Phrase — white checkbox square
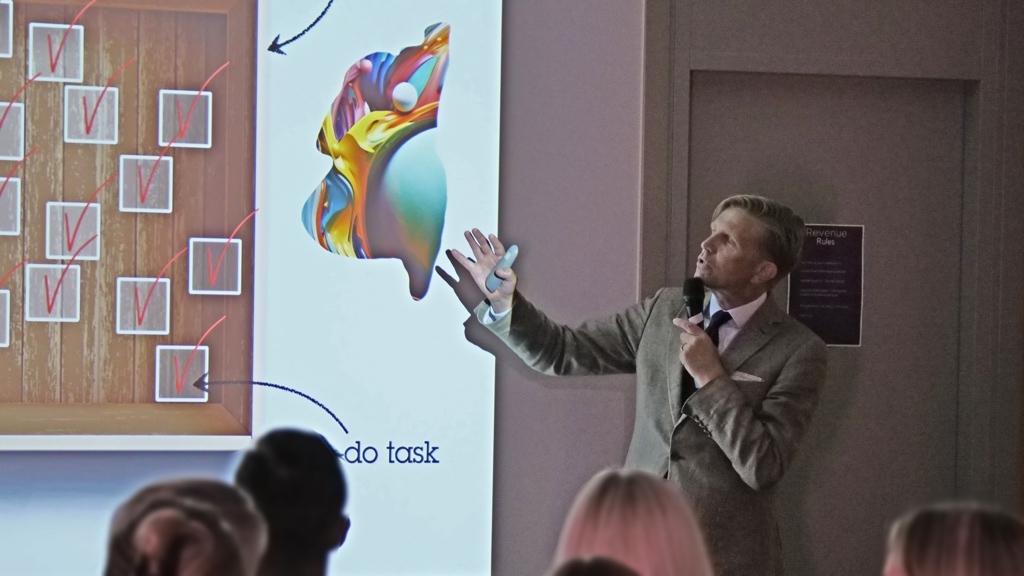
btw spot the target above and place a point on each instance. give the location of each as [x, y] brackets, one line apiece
[90, 114]
[185, 119]
[6, 29]
[143, 306]
[53, 293]
[215, 266]
[56, 52]
[177, 369]
[12, 131]
[10, 207]
[146, 184]
[5, 318]
[72, 231]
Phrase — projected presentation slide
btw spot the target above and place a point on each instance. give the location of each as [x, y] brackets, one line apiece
[377, 148]
[219, 221]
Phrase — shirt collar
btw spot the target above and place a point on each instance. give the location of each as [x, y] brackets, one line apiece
[740, 314]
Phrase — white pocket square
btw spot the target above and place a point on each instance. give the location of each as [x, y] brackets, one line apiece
[744, 377]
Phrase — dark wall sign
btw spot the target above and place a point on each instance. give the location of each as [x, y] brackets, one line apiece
[826, 291]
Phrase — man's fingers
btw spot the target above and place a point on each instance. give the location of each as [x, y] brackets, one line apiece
[499, 248]
[687, 326]
[691, 332]
[485, 245]
[507, 276]
[473, 244]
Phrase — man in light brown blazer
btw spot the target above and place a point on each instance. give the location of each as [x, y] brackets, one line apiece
[726, 433]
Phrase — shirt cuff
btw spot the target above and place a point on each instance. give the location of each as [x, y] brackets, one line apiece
[492, 316]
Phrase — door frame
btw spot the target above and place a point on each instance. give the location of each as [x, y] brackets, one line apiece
[989, 436]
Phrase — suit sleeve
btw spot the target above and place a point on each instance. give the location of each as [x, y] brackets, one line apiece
[760, 441]
[601, 346]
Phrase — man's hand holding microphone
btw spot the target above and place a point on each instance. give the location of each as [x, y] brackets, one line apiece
[697, 352]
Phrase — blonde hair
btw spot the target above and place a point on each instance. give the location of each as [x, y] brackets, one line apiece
[638, 520]
[784, 238]
[958, 539]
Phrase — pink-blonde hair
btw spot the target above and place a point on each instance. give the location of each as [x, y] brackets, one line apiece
[958, 539]
[637, 519]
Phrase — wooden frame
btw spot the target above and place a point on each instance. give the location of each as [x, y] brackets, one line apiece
[113, 395]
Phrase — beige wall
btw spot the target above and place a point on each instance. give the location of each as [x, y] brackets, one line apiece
[570, 194]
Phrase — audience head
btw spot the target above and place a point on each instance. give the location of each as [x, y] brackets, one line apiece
[595, 566]
[638, 520]
[295, 479]
[186, 528]
[956, 539]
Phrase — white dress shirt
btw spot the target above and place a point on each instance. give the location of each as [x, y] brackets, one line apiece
[493, 316]
[740, 315]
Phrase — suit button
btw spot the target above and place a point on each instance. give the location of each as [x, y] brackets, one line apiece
[675, 456]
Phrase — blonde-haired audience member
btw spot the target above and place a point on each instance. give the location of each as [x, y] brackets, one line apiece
[186, 528]
[956, 539]
[638, 520]
[594, 566]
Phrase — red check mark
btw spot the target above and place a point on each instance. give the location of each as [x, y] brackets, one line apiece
[212, 270]
[182, 128]
[144, 189]
[52, 300]
[15, 97]
[15, 169]
[70, 236]
[184, 124]
[90, 117]
[9, 274]
[49, 39]
[141, 315]
[179, 376]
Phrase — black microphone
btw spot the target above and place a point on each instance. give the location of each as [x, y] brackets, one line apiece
[693, 299]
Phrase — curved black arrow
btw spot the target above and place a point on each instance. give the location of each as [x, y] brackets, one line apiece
[276, 45]
[203, 385]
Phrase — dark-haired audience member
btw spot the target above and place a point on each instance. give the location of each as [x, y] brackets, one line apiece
[594, 566]
[296, 481]
[186, 528]
[956, 539]
[637, 519]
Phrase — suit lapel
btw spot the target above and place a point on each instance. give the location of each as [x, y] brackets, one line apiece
[675, 375]
[757, 332]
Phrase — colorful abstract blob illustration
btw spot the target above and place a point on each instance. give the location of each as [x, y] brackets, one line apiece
[386, 192]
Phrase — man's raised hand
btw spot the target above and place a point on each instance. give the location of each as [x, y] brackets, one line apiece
[487, 250]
